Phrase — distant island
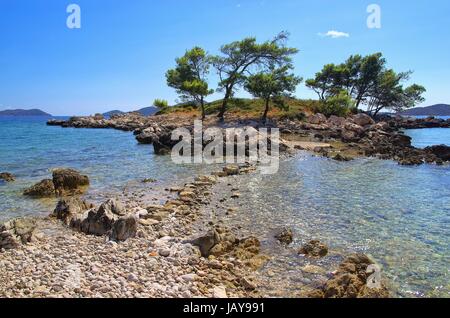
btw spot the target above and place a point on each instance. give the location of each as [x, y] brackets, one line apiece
[435, 110]
[24, 112]
[146, 111]
[113, 112]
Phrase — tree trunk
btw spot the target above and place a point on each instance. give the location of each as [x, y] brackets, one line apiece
[224, 105]
[377, 111]
[266, 111]
[202, 104]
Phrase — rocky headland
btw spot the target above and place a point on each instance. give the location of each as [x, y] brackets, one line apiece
[335, 137]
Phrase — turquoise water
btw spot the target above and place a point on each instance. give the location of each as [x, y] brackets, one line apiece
[112, 159]
[429, 137]
[398, 215]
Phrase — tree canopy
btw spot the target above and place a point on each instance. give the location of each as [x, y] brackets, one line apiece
[369, 82]
[272, 85]
[160, 103]
[239, 59]
[189, 77]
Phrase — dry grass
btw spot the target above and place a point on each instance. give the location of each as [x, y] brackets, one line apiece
[250, 108]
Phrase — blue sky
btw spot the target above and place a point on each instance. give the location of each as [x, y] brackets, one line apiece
[117, 60]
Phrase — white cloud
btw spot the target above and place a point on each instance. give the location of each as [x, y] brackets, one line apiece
[335, 34]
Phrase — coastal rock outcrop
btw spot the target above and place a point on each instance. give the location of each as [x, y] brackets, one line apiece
[7, 177]
[16, 232]
[352, 280]
[314, 248]
[400, 122]
[440, 151]
[42, 189]
[110, 218]
[220, 241]
[65, 182]
[363, 120]
[317, 119]
[69, 181]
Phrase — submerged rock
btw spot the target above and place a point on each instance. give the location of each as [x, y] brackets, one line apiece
[314, 249]
[16, 232]
[7, 177]
[42, 189]
[351, 280]
[284, 236]
[340, 157]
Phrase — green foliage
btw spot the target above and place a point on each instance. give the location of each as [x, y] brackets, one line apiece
[294, 115]
[339, 105]
[389, 93]
[189, 76]
[368, 82]
[161, 103]
[238, 59]
[272, 85]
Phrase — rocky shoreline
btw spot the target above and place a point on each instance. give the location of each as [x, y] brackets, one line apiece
[358, 135]
[132, 248]
[169, 250]
[158, 257]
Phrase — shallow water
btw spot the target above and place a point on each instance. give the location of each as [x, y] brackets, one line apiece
[398, 215]
[112, 159]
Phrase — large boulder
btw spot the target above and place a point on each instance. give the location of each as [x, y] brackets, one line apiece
[42, 189]
[317, 119]
[100, 222]
[69, 181]
[206, 242]
[359, 130]
[147, 136]
[7, 177]
[68, 209]
[363, 120]
[124, 228]
[16, 232]
[336, 121]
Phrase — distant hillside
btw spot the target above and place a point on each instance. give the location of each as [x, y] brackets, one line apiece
[435, 110]
[23, 112]
[148, 111]
[113, 112]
